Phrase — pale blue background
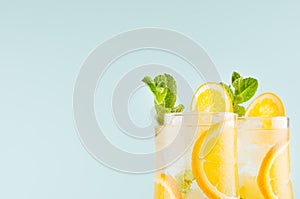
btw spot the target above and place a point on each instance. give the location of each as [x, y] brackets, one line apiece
[43, 44]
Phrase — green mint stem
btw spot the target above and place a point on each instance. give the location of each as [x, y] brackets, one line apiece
[164, 89]
[241, 90]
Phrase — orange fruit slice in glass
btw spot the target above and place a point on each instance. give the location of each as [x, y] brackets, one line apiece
[273, 178]
[214, 162]
[166, 187]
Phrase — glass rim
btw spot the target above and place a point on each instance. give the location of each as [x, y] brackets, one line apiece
[274, 118]
[265, 123]
[202, 114]
[197, 118]
[191, 113]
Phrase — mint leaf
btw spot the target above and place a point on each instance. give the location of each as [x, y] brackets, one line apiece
[150, 83]
[177, 109]
[240, 110]
[235, 76]
[244, 90]
[170, 98]
[164, 90]
[185, 180]
[161, 95]
[237, 85]
[160, 81]
[248, 88]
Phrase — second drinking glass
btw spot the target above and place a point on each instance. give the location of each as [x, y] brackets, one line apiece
[264, 158]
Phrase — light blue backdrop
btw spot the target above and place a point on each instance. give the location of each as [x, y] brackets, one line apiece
[43, 44]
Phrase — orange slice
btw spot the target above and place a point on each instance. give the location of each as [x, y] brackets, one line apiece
[211, 97]
[214, 162]
[265, 105]
[273, 178]
[166, 187]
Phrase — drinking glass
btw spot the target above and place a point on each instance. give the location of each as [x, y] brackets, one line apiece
[196, 156]
[264, 158]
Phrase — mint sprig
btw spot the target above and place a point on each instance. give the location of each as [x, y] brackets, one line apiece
[164, 89]
[241, 90]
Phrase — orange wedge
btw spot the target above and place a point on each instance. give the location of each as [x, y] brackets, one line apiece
[274, 177]
[214, 162]
[265, 105]
[211, 97]
[166, 187]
